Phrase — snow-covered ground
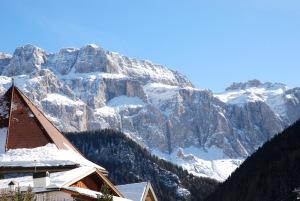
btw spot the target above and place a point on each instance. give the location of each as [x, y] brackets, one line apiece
[210, 163]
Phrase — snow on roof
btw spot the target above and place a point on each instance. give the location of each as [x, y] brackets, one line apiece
[57, 179]
[21, 181]
[48, 155]
[91, 193]
[133, 191]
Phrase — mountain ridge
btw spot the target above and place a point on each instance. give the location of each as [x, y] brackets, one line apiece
[90, 88]
[100, 59]
[254, 83]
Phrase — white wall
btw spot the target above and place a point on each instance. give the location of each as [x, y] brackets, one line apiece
[54, 196]
[41, 182]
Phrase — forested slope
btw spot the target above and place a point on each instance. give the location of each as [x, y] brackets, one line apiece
[128, 162]
[270, 174]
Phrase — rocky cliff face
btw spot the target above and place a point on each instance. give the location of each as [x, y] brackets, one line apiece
[91, 88]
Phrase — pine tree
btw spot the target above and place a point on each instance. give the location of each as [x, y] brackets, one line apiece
[29, 195]
[18, 195]
[3, 197]
[106, 194]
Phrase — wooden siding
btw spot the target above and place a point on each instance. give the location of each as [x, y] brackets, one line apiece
[91, 182]
[27, 126]
[149, 196]
[24, 129]
[94, 182]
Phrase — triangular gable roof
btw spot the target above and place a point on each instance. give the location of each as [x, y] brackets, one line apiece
[23, 125]
[137, 191]
[87, 194]
[87, 173]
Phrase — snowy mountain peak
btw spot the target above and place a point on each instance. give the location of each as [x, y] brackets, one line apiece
[68, 49]
[5, 56]
[275, 95]
[4, 60]
[254, 84]
[93, 46]
[28, 51]
[29, 47]
[29, 59]
[26, 59]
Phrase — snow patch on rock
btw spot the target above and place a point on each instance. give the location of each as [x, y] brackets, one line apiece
[60, 99]
[273, 96]
[125, 101]
[210, 163]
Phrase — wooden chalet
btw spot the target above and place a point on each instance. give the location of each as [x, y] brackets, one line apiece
[33, 152]
[24, 126]
[82, 183]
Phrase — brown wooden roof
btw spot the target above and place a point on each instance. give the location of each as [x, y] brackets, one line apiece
[93, 181]
[26, 125]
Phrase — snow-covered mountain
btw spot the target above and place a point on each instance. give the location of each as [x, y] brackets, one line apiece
[91, 88]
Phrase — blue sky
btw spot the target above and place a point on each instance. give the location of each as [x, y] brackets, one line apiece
[212, 42]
